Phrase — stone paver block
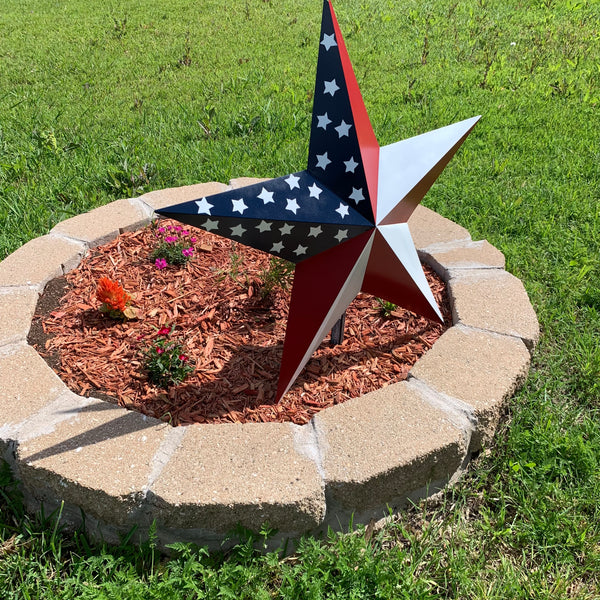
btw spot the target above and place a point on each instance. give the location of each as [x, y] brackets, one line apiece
[380, 448]
[99, 459]
[231, 473]
[17, 306]
[244, 181]
[467, 255]
[478, 368]
[103, 224]
[40, 260]
[428, 228]
[495, 301]
[28, 384]
[170, 196]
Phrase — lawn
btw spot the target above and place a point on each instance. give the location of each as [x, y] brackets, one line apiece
[100, 101]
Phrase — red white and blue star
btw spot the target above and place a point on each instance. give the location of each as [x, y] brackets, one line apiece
[343, 220]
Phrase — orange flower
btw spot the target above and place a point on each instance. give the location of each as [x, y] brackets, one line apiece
[112, 295]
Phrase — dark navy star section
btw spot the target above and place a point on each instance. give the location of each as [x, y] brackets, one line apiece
[292, 217]
[334, 155]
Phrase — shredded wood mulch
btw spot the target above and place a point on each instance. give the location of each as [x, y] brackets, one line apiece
[230, 331]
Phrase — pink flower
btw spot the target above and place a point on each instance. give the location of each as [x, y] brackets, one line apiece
[164, 331]
[161, 230]
[185, 233]
[178, 228]
[160, 263]
[188, 252]
[193, 240]
[159, 350]
[171, 239]
[183, 358]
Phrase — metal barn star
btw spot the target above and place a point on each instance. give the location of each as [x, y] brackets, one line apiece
[343, 220]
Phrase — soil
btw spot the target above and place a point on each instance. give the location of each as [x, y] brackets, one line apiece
[229, 312]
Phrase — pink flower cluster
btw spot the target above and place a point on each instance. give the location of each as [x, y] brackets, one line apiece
[175, 246]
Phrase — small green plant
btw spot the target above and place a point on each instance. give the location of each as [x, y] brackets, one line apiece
[386, 308]
[166, 362]
[278, 274]
[175, 246]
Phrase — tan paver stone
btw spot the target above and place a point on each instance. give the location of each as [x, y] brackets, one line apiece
[231, 473]
[380, 448]
[428, 228]
[28, 384]
[40, 260]
[466, 255]
[17, 306]
[244, 181]
[495, 301]
[481, 369]
[99, 459]
[103, 224]
[170, 196]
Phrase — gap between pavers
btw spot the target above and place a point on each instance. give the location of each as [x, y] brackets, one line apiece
[352, 461]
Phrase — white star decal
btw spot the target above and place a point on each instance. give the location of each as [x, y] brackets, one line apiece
[357, 194]
[292, 181]
[322, 161]
[286, 229]
[277, 247]
[328, 40]
[265, 196]
[342, 234]
[315, 231]
[204, 207]
[210, 225]
[350, 165]
[300, 250]
[331, 87]
[238, 231]
[324, 120]
[264, 226]
[239, 206]
[343, 210]
[292, 205]
[315, 191]
[343, 128]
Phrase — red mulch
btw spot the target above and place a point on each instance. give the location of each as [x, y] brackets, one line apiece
[233, 335]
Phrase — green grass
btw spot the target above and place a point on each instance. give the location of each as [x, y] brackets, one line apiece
[104, 100]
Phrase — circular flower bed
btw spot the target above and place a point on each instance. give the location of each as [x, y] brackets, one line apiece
[216, 319]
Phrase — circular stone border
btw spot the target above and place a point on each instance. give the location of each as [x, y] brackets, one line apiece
[352, 462]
